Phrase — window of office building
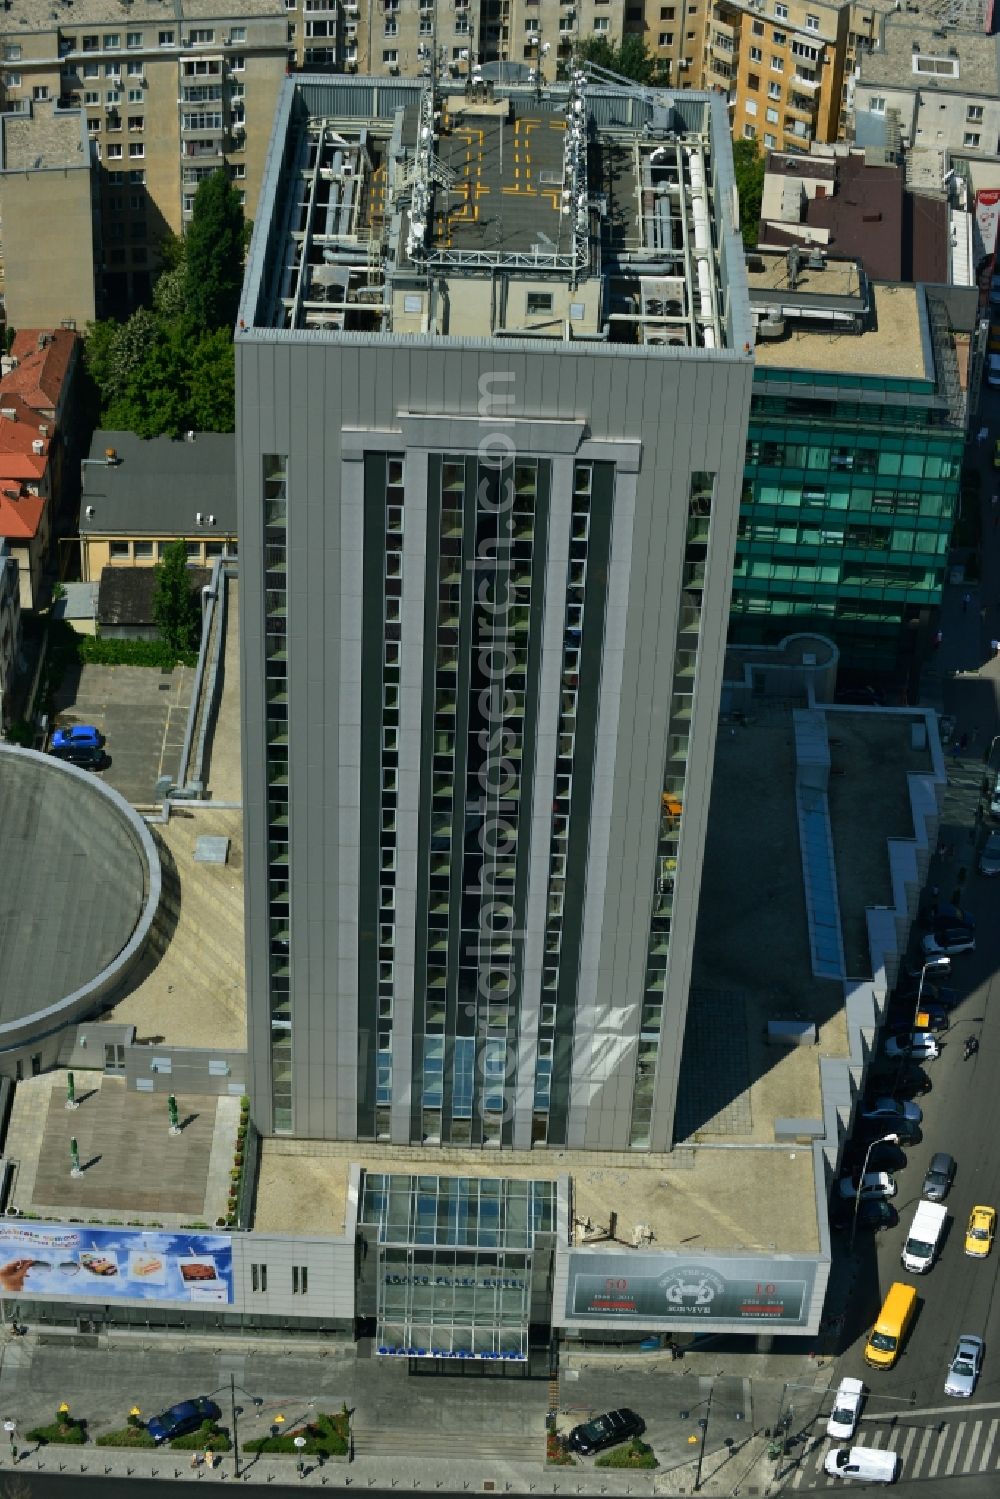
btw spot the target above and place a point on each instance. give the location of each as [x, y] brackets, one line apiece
[275, 499]
[682, 698]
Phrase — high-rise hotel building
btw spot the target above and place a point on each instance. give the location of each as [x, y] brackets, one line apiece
[493, 383]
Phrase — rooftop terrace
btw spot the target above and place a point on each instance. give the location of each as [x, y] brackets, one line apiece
[426, 207]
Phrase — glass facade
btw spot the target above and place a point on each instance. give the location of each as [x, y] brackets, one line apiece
[275, 512]
[849, 498]
[454, 1262]
[682, 691]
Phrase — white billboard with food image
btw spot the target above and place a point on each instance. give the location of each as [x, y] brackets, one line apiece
[81, 1261]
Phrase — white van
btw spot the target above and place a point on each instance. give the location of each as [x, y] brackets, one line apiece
[869, 1464]
[922, 1241]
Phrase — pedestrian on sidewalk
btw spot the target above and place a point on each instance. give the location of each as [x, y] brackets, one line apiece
[939, 634]
[966, 601]
[963, 743]
[983, 611]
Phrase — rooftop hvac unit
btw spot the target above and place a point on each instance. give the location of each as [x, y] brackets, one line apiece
[38, 447]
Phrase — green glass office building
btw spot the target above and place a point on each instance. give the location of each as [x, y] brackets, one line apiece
[853, 471]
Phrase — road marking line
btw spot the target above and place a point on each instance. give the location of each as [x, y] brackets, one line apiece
[876, 1440]
[973, 1443]
[911, 1437]
[938, 1454]
[953, 1456]
[797, 1476]
[937, 1410]
[924, 1444]
[991, 1437]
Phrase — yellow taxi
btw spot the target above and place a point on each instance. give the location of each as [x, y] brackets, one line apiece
[979, 1234]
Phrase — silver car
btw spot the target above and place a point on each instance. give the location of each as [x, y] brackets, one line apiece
[965, 1366]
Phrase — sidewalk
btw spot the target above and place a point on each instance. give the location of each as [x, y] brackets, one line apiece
[739, 1396]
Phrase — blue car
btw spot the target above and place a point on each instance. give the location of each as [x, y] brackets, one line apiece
[181, 1419]
[78, 736]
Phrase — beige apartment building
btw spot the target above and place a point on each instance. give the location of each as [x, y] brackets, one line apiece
[398, 37]
[170, 93]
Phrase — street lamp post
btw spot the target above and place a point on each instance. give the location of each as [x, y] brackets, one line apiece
[882, 1140]
[236, 1410]
[300, 1462]
[940, 964]
[703, 1427]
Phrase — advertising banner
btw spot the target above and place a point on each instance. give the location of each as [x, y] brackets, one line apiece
[986, 221]
[654, 1290]
[78, 1262]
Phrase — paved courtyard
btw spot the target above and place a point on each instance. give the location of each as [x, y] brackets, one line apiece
[132, 1166]
[141, 711]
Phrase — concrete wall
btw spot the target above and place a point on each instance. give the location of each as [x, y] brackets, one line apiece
[48, 247]
[185, 1069]
[298, 396]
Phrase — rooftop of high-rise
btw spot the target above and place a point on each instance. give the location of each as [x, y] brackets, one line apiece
[435, 207]
[29, 15]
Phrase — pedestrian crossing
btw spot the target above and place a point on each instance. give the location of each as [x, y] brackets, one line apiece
[944, 1449]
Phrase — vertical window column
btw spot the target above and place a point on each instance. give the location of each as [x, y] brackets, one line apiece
[672, 803]
[392, 626]
[275, 467]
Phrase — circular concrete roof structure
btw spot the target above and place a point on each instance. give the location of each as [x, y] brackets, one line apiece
[79, 887]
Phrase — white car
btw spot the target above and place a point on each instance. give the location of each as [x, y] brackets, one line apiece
[948, 943]
[875, 1184]
[963, 1371]
[846, 1411]
[919, 1045]
[869, 1464]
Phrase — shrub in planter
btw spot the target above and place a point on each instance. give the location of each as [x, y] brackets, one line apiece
[556, 1453]
[208, 1438]
[65, 1429]
[128, 1436]
[328, 1436]
[634, 1454]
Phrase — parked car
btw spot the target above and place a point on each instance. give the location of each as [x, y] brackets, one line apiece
[906, 991]
[907, 1081]
[979, 1233]
[989, 859]
[993, 367]
[941, 913]
[906, 1132]
[874, 1213]
[940, 1175]
[918, 1044]
[77, 736]
[994, 808]
[950, 941]
[963, 1372]
[183, 1418]
[606, 1431]
[879, 1154]
[888, 1110]
[869, 1464]
[932, 1018]
[874, 1184]
[85, 756]
[846, 1411]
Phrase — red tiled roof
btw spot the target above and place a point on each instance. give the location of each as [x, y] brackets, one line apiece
[19, 518]
[40, 373]
[18, 435]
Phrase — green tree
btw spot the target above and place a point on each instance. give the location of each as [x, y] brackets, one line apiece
[212, 383]
[175, 604]
[748, 166]
[213, 253]
[629, 60]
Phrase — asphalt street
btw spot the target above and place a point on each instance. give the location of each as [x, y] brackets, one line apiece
[938, 1438]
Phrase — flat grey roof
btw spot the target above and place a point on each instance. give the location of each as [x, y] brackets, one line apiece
[968, 61]
[29, 15]
[46, 138]
[73, 883]
[159, 486]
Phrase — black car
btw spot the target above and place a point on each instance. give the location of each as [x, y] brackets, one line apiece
[881, 1157]
[606, 1431]
[874, 1213]
[906, 1131]
[906, 991]
[86, 756]
[904, 1081]
[940, 913]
